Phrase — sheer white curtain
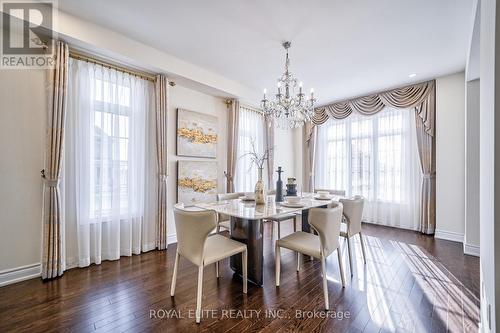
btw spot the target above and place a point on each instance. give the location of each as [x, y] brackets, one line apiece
[376, 157]
[251, 129]
[109, 170]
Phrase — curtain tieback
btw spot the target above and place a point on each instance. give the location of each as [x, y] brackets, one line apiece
[427, 176]
[162, 177]
[51, 182]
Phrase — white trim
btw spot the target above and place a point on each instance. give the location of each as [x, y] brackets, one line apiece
[449, 235]
[19, 274]
[392, 226]
[472, 250]
[171, 239]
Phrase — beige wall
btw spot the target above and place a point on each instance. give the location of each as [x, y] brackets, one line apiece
[472, 165]
[450, 156]
[22, 126]
[184, 98]
[284, 155]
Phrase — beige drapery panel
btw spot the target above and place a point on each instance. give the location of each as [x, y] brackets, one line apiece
[161, 102]
[427, 153]
[309, 132]
[421, 97]
[52, 243]
[269, 127]
[232, 143]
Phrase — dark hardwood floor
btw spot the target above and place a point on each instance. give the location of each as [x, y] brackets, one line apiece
[411, 283]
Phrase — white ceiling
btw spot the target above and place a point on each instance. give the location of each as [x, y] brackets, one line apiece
[341, 48]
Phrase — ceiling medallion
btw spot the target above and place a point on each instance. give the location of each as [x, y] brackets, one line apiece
[289, 109]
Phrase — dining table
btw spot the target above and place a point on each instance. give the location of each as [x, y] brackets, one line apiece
[247, 225]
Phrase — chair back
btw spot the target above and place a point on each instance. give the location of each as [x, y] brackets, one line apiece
[332, 192]
[193, 228]
[326, 222]
[353, 212]
[229, 196]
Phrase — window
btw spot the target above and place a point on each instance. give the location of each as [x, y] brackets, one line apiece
[109, 170]
[110, 145]
[109, 167]
[250, 131]
[373, 156]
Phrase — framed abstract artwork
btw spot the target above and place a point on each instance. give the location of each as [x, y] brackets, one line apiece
[196, 134]
[196, 181]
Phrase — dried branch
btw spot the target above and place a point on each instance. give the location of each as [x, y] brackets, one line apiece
[255, 157]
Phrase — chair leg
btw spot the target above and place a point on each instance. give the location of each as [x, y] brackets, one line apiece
[279, 230]
[174, 276]
[198, 295]
[349, 253]
[294, 224]
[325, 284]
[298, 261]
[217, 269]
[312, 232]
[244, 263]
[362, 247]
[311, 257]
[341, 268]
[277, 254]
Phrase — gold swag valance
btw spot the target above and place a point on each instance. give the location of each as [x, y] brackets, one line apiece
[419, 96]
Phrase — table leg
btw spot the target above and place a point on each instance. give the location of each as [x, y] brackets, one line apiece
[305, 219]
[249, 232]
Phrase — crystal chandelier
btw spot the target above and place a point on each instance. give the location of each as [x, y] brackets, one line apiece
[289, 109]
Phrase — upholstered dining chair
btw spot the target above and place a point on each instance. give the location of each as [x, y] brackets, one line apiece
[332, 192]
[326, 222]
[194, 244]
[281, 218]
[353, 214]
[224, 221]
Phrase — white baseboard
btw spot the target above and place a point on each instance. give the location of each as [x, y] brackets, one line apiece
[449, 235]
[171, 239]
[19, 274]
[392, 226]
[472, 250]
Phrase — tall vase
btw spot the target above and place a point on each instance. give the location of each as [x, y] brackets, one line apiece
[279, 186]
[259, 190]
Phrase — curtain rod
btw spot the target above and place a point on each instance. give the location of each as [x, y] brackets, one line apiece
[93, 60]
[251, 108]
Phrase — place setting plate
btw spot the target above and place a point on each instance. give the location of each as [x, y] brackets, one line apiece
[292, 205]
[293, 202]
[317, 197]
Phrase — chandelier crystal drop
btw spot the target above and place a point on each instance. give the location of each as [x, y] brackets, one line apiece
[289, 109]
